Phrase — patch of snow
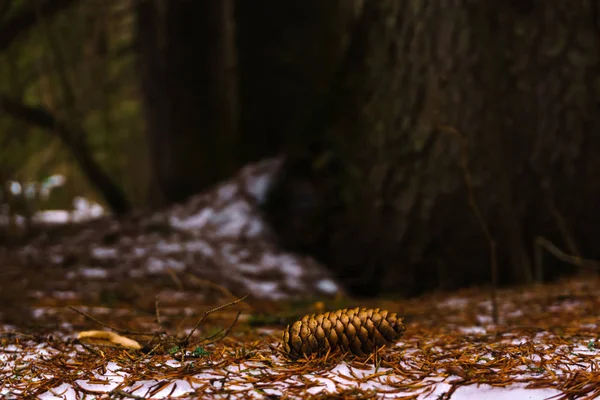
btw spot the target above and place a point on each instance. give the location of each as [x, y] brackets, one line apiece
[290, 267]
[228, 252]
[489, 392]
[227, 191]
[193, 222]
[52, 217]
[104, 252]
[57, 258]
[258, 186]
[62, 391]
[328, 286]
[269, 260]
[156, 265]
[200, 246]
[454, 302]
[15, 187]
[94, 273]
[232, 220]
[64, 295]
[247, 268]
[484, 319]
[255, 227]
[140, 251]
[268, 290]
[168, 248]
[514, 314]
[86, 210]
[472, 330]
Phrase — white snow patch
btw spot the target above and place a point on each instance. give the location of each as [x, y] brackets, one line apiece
[258, 186]
[472, 330]
[168, 248]
[52, 216]
[104, 252]
[255, 227]
[231, 220]
[454, 302]
[94, 273]
[140, 251]
[488, 392]
[327, 286]
[484, 319]
[290, 267]
[200, 246]
[227, 191]
[193, 222]
[267, 290]
[156, 265]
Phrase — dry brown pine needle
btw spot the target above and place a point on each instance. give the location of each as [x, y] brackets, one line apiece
[357, 330]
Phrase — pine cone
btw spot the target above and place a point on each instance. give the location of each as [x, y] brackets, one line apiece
[357, 330]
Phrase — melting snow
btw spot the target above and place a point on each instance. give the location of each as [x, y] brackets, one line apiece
[193, 222]
[94, 273]
[328, 286]
[104, 252]
[219, 235]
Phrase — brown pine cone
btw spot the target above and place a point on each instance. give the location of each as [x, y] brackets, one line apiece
[357, 330]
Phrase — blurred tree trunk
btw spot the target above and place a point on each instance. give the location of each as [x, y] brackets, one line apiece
[380, 194]
[189, 84]
[288, 52]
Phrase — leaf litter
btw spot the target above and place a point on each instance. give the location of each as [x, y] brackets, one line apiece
[546, 345]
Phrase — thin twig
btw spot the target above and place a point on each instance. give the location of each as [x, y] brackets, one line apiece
[226, 331]
[89, 348]
[464, 163]
[157, 310]
[582, 263]
[122, 393]
[112, 328]
[207, 313]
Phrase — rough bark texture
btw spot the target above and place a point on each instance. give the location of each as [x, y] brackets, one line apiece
[288, 53]
[382, 197]
[188, 65]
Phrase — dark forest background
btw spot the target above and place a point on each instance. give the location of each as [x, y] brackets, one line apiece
[428, 145]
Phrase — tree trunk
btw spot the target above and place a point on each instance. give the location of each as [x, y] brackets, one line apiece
[388, 209]
[189, 84]
[288, 53]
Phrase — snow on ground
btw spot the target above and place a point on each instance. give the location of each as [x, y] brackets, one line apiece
[247, 380]
[266, 375]
[219, 236]
[444, 353]
[83, 210]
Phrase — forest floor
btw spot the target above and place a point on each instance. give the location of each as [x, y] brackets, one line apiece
[153, 279]
[547, 344]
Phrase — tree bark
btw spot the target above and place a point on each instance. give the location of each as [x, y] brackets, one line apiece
[189, 69]
[288, 54]
[388, 207]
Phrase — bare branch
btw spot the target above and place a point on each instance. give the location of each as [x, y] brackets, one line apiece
[75, 142]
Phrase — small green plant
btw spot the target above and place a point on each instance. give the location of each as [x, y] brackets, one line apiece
[200, 352]
[591, 345]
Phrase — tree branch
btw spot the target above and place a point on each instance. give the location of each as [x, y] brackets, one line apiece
[75, 142]
[25, 19]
